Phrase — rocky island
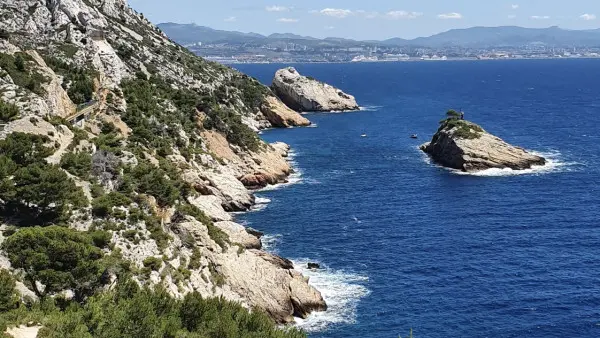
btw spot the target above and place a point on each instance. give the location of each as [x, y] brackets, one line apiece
[463, 145]
[306, 94]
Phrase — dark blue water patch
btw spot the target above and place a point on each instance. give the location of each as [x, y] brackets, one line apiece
[408, 244]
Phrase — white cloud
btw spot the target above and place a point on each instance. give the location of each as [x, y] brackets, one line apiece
[231, 19]
[453, 15]
[276, 9]
[540, 17]
[287, 20]
[514, 6]
[403, 15]
[329, 28]
[336, 12]
[588, 17]
[512, 16]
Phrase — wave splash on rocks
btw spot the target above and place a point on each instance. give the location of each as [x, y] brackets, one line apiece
[341, 290]
[554, 164]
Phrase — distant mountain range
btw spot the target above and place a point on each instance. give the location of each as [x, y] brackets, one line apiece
[476, 37]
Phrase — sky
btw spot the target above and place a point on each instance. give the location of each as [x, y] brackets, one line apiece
[370, 20]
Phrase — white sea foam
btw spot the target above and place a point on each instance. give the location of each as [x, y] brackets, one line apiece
[554, 164]
[342, 292]
[294, 178]
[270, 242]
[261, 203]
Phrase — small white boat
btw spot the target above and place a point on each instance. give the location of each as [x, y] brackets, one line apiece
[414, 136]
[363, 135]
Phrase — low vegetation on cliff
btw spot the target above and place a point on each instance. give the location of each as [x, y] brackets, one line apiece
[130, 311]
[107, 152]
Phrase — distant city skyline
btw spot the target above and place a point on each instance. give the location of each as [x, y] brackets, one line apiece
[380, 19]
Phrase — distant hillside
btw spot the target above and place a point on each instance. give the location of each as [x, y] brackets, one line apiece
[510, 36]
[506, 36]
[191, 33]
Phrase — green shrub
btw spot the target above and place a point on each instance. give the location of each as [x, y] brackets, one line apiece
[153, 263]
[194, 263]
[131, 312]
[462, 128]
[8, 296]
[77, 164]
[100, 238]
[41, 194]
[23, 75]
[25, 149]
[147, 179]
[130, 235]
[8, 112]
[103, 205]
[60, 258]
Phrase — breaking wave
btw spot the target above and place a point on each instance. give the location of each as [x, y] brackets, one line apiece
[261, 203]
[554, 164]
[342, 292]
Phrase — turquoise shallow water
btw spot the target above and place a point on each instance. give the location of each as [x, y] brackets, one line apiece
[406, 244]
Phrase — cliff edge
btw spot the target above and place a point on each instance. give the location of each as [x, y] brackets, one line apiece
[143, 144]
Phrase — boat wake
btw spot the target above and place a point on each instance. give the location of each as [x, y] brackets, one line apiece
[370, 108]
[342, 292]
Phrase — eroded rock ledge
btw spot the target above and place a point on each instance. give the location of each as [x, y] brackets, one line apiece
[463, 145]
[302, 93]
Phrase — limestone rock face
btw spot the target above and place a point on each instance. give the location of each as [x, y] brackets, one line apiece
[305, 94]
[253, 277]
[117, 44]
[473, 149]
[280, 115]
[238, 234]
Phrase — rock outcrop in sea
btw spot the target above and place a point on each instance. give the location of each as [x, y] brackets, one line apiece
[306, 94]
[463, 145]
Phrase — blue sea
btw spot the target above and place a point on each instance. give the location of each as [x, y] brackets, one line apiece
[405, 244]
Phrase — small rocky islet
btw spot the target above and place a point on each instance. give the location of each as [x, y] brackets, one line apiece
[302, 93]
[463, 145]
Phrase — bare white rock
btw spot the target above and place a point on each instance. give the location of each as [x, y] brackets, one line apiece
[306, 94]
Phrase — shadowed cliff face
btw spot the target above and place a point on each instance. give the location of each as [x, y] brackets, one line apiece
[465, 146]
[165, 151]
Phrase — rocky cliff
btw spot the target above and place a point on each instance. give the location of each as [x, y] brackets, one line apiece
[158, 144]
[302, 93]
[465, 146]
